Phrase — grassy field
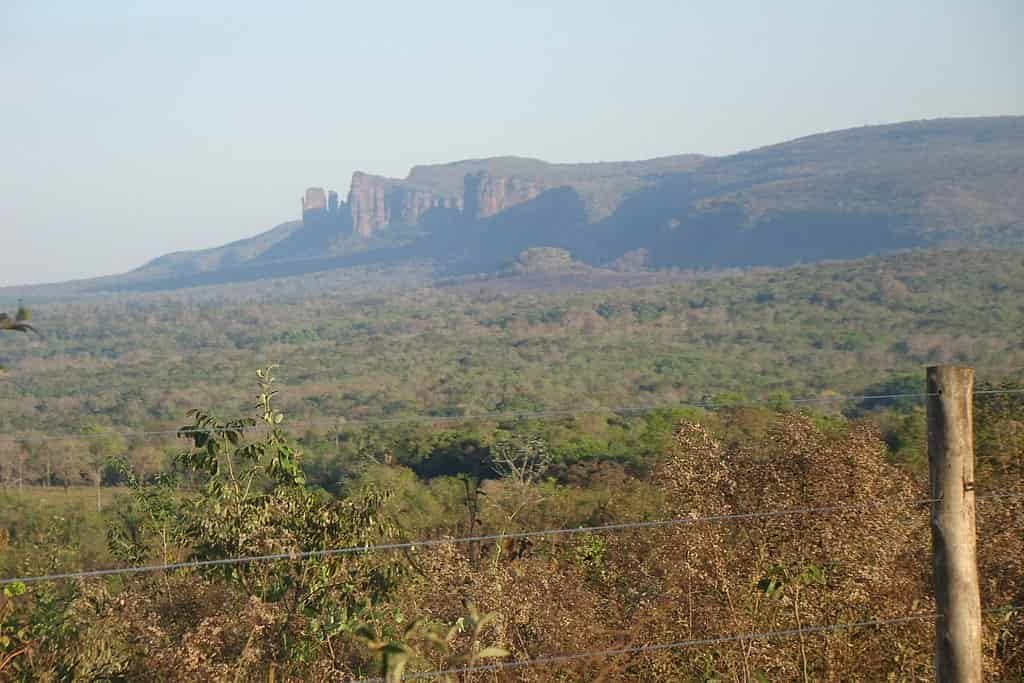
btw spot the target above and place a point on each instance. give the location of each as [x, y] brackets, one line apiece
[65, 522]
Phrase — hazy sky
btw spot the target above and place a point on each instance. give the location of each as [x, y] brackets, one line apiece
[128, 130]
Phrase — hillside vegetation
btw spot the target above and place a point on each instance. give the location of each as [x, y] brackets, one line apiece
[587, 398]
[458, 605]
[471, 349]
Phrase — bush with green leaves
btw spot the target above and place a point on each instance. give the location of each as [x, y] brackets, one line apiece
[253, 501]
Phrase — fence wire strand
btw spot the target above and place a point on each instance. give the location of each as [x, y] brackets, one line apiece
[696, 642]
[427, 543]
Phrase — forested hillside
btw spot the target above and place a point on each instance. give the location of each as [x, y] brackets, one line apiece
[472, 349]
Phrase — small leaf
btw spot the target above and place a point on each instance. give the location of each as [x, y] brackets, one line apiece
[396, 656]
[486, 619]
[14, 589]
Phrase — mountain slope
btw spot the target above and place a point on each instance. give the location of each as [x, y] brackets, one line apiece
[837, 195]
[235, 253]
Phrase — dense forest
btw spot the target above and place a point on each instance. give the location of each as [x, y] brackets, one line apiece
[139, 432]
[474, 348]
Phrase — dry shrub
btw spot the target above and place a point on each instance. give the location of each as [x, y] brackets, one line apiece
[868, 561]
[1001, 565]
[183, 628]
[819, 567]
[545, 602]
[633, 589]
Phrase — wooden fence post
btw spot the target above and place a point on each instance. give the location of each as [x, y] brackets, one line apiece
[954, 561]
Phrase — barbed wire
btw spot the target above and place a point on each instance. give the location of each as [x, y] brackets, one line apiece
[995, 392]
[426, 543]
[681, 644]
[515, 535]
[1000, 496]
[341, 421]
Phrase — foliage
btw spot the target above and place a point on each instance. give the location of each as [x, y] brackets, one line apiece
[251, 500]
[464, 350]
[254, 502]
[147, 521]
[324, 617]
[245, 486]
[443, 640]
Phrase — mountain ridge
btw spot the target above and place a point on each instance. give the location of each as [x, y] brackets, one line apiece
[833, 195]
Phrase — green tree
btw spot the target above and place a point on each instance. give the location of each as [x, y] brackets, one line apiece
[105, 447]
[147, 521]
[254, 502]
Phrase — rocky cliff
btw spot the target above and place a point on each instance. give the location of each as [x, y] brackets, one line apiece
[376, 202]
[477, 189]
[368, 203]
[315, 199]
[828, 196]
[486, 195]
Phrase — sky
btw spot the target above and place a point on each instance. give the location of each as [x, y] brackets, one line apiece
[129, 130]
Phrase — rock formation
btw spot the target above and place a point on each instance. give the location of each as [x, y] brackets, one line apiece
[486, 195]
[367, 201]
[323, 213]
[376, 202]
[838, 195]
[315, 199]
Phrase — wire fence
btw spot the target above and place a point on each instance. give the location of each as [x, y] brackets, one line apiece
[556, 659]
[483, 538]
[678, 645]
